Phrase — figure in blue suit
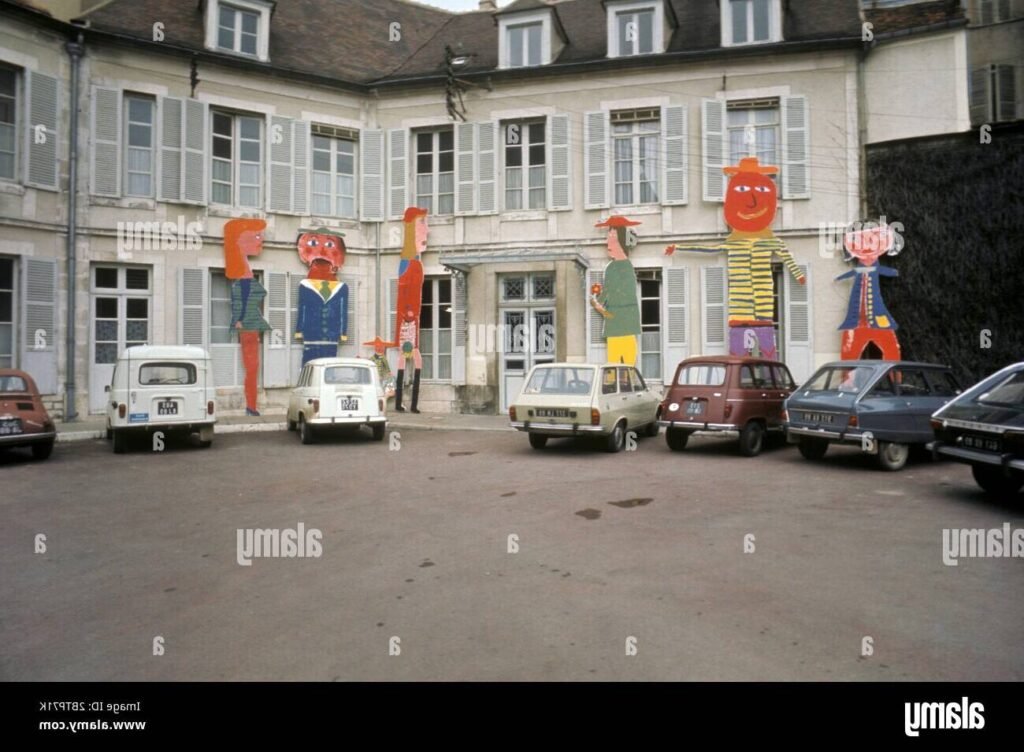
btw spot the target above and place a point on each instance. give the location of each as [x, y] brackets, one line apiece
[322, 321]
[868, 322]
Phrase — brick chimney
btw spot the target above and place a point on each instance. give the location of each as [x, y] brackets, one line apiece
[490, 5]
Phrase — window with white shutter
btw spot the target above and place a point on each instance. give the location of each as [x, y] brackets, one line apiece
[487, 167]
[796, 144]
[39, 335]
[41, 135]
[597, 192]
[139, 146]
[714, 333]
[371, 158]
[192, 306]
[461, 329]
[597, 350]
[676, 331]
[799, 352]
[714, 148]
[334, 173]
[282, 165]
[1006, 92]
[277, 342]
[559, 164]
[525, 157]
[351, 348]
[398, 172]
[106, 141]
[169, 184]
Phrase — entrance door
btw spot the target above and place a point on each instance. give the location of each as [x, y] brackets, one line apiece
[120, 318]
[528, 339]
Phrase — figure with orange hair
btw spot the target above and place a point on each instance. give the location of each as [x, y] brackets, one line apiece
[243, 238]
[410, 299]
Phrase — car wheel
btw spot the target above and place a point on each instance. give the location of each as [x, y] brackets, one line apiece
[305, 431]
[538, 441]
[42, 451]
[813, 449]
[676, 439]
[617, 438]
[751, 439]
[652, 429]
[995, 482]
[892, 455]
[291, 425]
[378, 431]
[120, 442]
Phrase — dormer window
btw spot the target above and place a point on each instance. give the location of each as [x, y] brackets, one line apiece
[751, 22]
[639, 27]
[239, 27]
[524, 44]
[528, 38]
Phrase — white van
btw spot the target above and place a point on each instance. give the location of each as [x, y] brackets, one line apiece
[161, 388]
[338, 393]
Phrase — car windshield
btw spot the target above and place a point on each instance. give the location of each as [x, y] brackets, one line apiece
[705, 374]
[839, 379]
[562, 380]
[1007, 393]
[13, 384]
[347, 375]
[166, 374]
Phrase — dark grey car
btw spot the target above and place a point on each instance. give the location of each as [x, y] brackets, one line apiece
[882, 406]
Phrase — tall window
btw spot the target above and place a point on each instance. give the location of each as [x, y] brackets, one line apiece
[334, 177]
[754, 131]
[237, 160]
[751, 20]
[6, 313]
[8, 119]
[650, 322]
[525, 176]
[636, 136]
[221, 331]
[635, 30]
[435, 171]
[237, 30]
[524, 44]
[436, 328]
[121, 308]
[138, 126]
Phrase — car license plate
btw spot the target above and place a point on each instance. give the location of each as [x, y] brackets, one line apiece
[694, 408]
[980, 442]
[552, 413]
[348, 404]
[10, 427]
[167, 407]
[819, 418]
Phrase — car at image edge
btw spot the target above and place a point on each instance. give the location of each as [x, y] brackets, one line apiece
[24, 421]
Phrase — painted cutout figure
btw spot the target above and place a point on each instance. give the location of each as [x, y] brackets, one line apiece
[243, 238]
[407, 307]
[751, 200]
[379, 359]
[617, 299]
[322, 320]
[869, 329]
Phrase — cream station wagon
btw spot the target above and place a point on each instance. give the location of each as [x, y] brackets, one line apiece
[579, 399]
[336, 393]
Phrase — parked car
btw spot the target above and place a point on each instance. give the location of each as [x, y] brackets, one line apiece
[167, 388]
[984, 427]
[24, 421]
[731, 395]
[580, 399]
[884, 407]
[337, 393]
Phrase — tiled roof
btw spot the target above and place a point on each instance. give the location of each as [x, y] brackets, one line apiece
[914, 16]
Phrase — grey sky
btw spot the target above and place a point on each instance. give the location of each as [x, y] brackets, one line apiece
[458, 4]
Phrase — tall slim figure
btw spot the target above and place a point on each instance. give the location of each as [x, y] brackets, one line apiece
[243, 238]
[410, 299]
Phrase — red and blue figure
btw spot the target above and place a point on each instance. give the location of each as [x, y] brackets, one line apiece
[410, 300]
[869, 330]
[243, 238]
[322, 321]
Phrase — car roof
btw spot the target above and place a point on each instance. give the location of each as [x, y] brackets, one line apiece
[902, 363]
[730, 360]
[4, 372]
[169, 352]
[326, 362]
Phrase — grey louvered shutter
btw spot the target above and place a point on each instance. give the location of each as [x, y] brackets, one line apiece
[170, 160]
[799, 349]
[714, 148]
[194, 157]
[106, 141]
[487, 168]
[295, 345]
[282, 165]
[980, 96]
[677, 324]
[597, 191]
[41, 135]
[39, 331]
[465, 168]
[276, 342]
[597, 349]
[398, 172]
[371, 157]
[796, 140]
[1006, 93]
[350, 347]
[301, 148]
[192, 306]
[674, 163]
[459, 349]
[559, 170]
[714, 331]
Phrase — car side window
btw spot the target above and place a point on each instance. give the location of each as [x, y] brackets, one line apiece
[912, 383]
[883, 387]
[609, 381]
[746, 378]
[639, 385]
[625, 384]
[783, 379]
[943, 384]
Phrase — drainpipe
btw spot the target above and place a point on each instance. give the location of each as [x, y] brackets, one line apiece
[75, 50]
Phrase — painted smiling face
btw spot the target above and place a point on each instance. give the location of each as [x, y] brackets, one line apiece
[318, 246]
[750, 202]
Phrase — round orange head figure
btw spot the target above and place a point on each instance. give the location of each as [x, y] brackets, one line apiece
[751, 197]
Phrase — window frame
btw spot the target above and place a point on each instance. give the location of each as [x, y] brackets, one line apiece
[18, 99]
[334, 196]
[635, 138]
[236, 160]
[127, 122]
[519, 20]
[435, 329]
[658, 25]
[260, 8]
[13, 322]
[768, 104]
[774, 23]
[525, 147]
[436, 173]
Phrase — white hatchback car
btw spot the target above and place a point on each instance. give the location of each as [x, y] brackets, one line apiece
[337, 393]
[161, 388]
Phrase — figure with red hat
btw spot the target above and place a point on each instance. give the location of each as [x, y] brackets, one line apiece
[616, 300]
[379, 359]
[751, 200]
[410, 299]
[322, 320]
[868, 323]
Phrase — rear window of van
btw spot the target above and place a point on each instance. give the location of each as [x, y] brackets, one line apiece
[167, 374]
